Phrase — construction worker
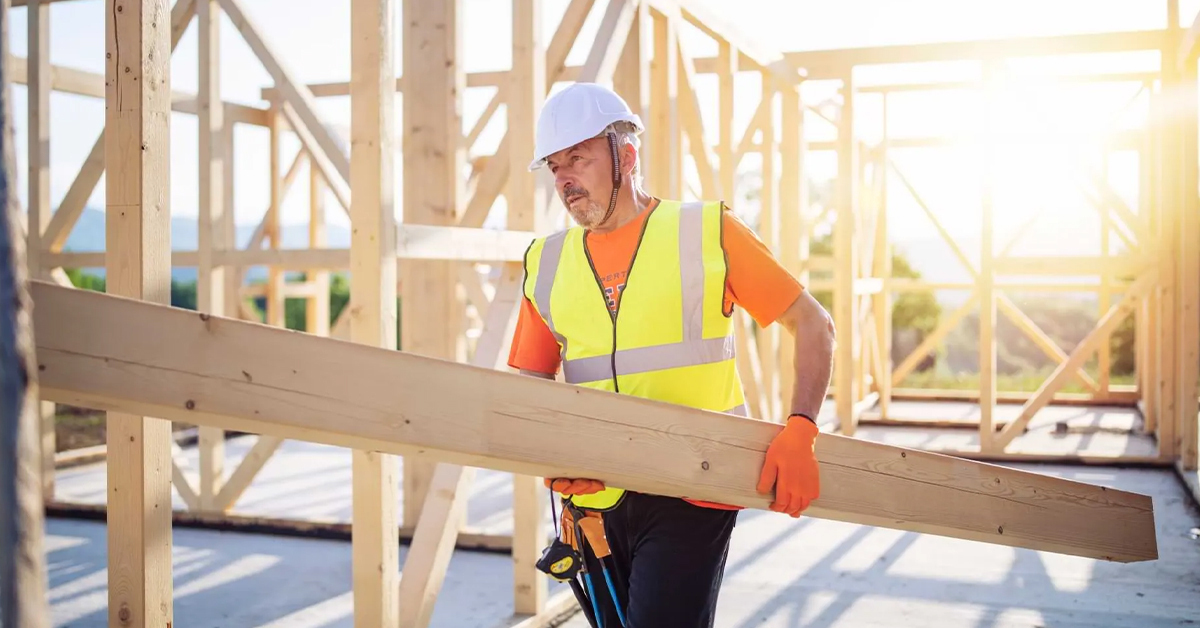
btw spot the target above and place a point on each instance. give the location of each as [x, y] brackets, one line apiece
[637, 299]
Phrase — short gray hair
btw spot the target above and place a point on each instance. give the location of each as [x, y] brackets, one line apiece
[627, 134]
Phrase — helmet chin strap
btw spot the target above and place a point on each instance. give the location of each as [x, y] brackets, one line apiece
[616, 162]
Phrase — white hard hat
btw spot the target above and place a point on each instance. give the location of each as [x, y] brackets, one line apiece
[577, 113]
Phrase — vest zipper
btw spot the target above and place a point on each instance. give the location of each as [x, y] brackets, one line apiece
[599, 284]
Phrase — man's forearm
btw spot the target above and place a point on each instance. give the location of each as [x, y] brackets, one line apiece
[813, 364]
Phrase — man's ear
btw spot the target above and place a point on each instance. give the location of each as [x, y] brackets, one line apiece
[629, 157]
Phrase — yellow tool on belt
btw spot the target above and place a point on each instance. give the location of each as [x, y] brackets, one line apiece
[563, 559]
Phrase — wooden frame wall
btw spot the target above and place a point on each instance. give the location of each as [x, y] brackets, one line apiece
[440, 246]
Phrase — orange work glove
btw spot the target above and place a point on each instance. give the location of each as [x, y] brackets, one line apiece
[568, 486]
[791, 467]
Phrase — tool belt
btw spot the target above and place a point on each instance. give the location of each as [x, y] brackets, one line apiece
[578, 531]
[591, 523]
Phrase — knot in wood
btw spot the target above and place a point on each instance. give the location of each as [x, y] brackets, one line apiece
[704, 465]
[190, 405]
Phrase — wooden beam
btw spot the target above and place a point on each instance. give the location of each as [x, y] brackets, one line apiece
[38, 160]
[526, 211]
[1130, 264]
[239, 375]
[693, 124]
[846, 256]
[435, 156]
[665, 159]
[774, 65]
[81, 189]
[40, 79]
[792, 242]
[1188, 369]
[251, 464]
[294, 93]
[438, 525]
[373, 283]
[423, 242]
[828, 63]
[329, 168]
[215, 231]
[986, 277]
[1039, 337]
[138, 237]
[435, 242]
[1085, 348]
[945, 326]
[632, 77]
[70, 80]
[495, 175]
[317, 306]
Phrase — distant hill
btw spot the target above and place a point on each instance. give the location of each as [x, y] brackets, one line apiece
[89, 234]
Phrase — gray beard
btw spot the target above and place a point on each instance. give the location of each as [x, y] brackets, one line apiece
[589, 216]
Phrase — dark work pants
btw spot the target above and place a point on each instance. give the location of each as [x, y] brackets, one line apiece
[667, 563]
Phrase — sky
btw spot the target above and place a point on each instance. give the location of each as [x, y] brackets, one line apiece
[311, 38]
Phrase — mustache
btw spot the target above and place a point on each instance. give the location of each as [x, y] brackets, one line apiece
[570, 191]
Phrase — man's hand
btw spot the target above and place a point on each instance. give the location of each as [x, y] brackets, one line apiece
[576, 486]
[791, 467]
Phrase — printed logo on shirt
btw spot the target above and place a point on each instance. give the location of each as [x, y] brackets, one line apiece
[609, 295]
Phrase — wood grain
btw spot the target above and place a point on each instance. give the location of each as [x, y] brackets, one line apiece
[237, 375]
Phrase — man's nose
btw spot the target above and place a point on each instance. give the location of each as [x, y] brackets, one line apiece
[563, 181]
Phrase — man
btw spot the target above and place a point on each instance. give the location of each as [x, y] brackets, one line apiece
[637, 299]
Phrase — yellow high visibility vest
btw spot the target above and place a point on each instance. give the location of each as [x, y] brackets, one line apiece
[670, 340]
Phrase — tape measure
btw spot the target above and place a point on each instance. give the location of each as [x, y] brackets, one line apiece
[560, 561]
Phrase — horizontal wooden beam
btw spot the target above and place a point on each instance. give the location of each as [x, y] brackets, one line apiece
[69, 80]
[1066, 79]
[752, 54]
[1082, 265]
[463, 244]
[831, 63]
[112, 353]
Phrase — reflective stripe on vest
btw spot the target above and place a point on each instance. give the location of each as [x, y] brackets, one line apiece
[670, 339]
[692, 350]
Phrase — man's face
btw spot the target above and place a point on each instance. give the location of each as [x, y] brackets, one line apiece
[583, 178]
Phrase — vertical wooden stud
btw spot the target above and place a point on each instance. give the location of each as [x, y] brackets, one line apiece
[666, 156]
[317, 305]
[1151, 194]
[1187, 240]
[1171, 190]
[210, 280]
[138, 265]
[526, 92]
[275, 307]
[768, 230]
[38, 90]
[791, 208]
[727, 68]
[435, 156]
[373, 284]
[632, 77]
[883, 270]
[845, 263]
[987, 273]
